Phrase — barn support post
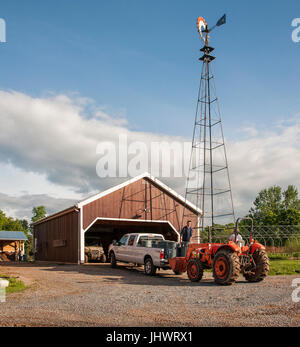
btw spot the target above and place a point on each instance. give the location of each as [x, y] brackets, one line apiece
[81, 237]
[78, 237]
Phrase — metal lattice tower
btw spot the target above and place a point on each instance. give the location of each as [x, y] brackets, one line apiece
[208, 183]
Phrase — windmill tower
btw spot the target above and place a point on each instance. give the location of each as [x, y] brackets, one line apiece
[208, 183]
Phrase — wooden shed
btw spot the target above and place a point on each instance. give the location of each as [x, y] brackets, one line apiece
[141, 204]
[12, 243]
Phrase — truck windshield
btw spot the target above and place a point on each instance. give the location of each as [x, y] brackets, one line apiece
[123, 240]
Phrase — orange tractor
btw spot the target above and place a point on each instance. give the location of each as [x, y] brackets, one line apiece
[227, 260]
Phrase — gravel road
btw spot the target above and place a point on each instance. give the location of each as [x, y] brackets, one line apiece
[96, 295]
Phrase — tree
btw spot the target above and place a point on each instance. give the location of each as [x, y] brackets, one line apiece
[38, 213]
[25, 225]
[289, 216]
[11, 224]
[291, 200]
[2, 219]
[273, 206]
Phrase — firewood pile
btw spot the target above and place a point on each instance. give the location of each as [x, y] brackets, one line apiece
[6, 257]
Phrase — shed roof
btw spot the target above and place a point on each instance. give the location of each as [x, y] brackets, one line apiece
[12, 235]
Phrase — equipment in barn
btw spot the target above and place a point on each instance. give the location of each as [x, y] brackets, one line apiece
[93, 251]
[208, 183]
[227, 260]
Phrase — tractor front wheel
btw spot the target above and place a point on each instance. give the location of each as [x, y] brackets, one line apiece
[262, 267]
[194, 270]
[226, 267]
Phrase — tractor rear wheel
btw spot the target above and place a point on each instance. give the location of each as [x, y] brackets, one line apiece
[226, 267]
[194, 270]
[262, 268]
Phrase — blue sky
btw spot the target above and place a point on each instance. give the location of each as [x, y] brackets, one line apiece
[139, 59]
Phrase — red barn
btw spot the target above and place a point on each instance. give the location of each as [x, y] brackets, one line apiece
[142, 204]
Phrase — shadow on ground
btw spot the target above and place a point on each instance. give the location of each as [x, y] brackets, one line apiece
[123, 274]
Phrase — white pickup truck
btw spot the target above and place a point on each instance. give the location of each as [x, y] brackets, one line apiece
[141, 249]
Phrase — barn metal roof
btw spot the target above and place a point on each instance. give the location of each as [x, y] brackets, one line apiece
[13, 236]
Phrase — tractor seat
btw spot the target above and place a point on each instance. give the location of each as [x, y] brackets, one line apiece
[240, 242]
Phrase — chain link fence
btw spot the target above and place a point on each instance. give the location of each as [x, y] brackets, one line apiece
[271, 236]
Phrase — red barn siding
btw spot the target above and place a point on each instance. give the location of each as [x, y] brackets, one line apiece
[63, 227]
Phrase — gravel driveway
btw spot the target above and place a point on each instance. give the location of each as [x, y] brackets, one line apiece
[96, 295]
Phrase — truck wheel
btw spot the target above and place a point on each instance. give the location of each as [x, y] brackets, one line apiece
[194, 270]
[86, 259]
[149, 267]
[103, 258]
[262, 268]
[113, 261]
[226, 267]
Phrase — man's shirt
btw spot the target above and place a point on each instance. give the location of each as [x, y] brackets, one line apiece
[186, 233]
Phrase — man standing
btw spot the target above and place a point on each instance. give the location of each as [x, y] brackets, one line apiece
[186, 232]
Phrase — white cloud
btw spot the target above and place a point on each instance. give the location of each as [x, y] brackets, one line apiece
[48, 149]
[250, 131]
[21, 206]
[272, 157]
[56, 136]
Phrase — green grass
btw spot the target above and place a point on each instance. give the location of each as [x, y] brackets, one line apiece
[15, 285]
[284, 256]
[284, 267]
[278, 256]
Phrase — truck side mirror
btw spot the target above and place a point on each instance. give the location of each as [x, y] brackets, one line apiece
[115, 242]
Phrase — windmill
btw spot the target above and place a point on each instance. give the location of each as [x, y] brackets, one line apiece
[208, 182]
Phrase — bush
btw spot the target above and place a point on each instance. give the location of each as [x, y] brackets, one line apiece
[278, 256]
[293, 246]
